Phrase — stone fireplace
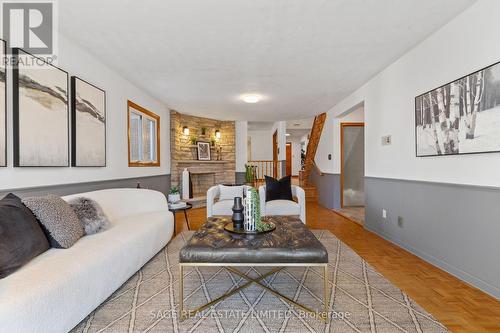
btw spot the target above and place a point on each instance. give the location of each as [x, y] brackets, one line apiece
[204, 174]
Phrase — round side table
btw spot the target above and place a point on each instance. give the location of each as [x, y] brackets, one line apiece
[185, 209]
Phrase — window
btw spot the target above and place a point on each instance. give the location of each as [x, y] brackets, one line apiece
[143, 136]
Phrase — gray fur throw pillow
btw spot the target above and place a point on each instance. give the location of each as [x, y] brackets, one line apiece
[91, 216]
[58, 220]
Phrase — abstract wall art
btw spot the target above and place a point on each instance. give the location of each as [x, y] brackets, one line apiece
[40, 112]
[88, 120]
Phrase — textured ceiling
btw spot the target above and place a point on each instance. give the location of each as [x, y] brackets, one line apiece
[304, 56]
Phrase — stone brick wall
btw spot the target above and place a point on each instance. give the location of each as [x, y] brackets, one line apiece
[183, 151]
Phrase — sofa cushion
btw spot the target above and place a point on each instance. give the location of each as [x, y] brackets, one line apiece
[223, 207]
[90, 214]
[230, 192]
[59, 221]
[278, 189]
[282, 207]
[21, 238]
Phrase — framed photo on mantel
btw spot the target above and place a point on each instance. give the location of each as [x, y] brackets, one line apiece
[203, 151]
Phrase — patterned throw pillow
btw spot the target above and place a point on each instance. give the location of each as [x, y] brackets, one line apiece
[90, 214]
[59, 221]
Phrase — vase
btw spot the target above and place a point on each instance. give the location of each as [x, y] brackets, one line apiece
[238, 216]
[173, 198]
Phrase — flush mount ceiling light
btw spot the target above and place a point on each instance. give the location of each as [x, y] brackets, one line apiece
[251, 98]
[287, 134]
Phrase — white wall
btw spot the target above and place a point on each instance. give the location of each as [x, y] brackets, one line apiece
[241, 129]
[295, 141]
[262, 144]
[77, 61]
[280, 127]
[467, 43]
[330, 139]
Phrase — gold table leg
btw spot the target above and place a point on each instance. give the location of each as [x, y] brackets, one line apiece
[184, 314]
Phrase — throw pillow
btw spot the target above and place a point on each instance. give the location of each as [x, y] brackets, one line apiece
[278, 189]
[90, 214]
[21, 238]
[230, 192]
[59, 221]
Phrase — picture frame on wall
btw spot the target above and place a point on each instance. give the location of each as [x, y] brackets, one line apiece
[460, 117]
[40, 112]
[203, 149]
[3, 104]
[88, 124]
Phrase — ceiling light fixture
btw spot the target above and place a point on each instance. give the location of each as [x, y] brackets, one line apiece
[251, 98]
[287, 134]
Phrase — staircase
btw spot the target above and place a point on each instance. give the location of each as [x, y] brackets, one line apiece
[312, 147]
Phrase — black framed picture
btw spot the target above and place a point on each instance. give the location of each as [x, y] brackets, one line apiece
[203, 151]
[3, 104]
[88, 124]
[40, 112]
[460, 117]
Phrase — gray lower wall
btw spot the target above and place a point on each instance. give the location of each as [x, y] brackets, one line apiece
[160, 183]
[328, 186]
[454, 227]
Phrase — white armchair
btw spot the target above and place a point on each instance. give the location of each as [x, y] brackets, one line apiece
[284, 207]
[221, 206]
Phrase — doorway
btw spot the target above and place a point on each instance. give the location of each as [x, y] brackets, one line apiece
[352, 166]
[288, 159]
[275, 154]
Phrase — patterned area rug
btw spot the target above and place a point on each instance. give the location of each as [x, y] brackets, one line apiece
[361, 299]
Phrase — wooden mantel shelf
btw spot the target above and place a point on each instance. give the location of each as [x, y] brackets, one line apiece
[202, 162]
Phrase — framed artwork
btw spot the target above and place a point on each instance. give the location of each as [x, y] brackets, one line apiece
[88, 124]
[460, 117]
[40, 113]
[3, 104]
[143, 137]
[203, 150]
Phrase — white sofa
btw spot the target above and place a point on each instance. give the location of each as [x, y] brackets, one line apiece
[59, 288]
[284, 207]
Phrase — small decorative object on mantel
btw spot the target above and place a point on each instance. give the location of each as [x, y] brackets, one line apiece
[238, 216]
[174, 195]
[203, 151]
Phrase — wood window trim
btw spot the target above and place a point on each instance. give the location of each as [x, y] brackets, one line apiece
[132, 105]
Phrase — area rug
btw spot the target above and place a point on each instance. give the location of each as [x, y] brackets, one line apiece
[361, 299]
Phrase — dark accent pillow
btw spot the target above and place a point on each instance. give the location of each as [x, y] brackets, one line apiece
[21, 238]
[58, 220]
[279, 189]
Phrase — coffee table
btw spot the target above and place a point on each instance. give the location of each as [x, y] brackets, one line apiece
[292, 244]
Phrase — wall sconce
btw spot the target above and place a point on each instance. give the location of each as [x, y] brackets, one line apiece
[217, 134]
[185, 130]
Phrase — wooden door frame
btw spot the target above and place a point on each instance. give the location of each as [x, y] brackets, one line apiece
[342, 126]
[275, 154]
[291, 158]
